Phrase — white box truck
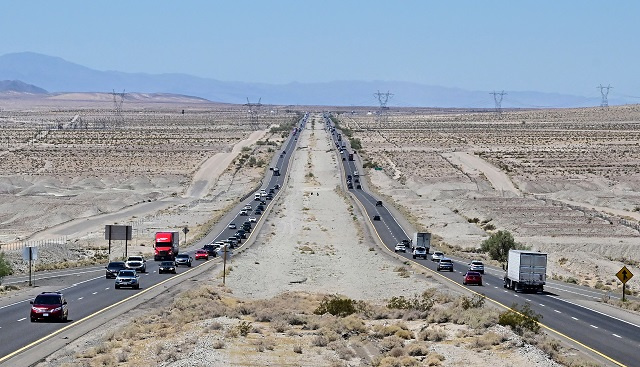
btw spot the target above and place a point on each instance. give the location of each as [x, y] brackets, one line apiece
[526, 270]
[422, 239]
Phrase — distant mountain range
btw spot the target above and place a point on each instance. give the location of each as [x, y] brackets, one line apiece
[57, 75]
[18, 86]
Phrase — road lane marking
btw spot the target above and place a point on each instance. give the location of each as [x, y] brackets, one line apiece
[22, 319]
[80, 298]
[542, 305]
[598, 312]
[94, 293]
[557, 311]
[617, 336]
[593, 326]
[575, 318]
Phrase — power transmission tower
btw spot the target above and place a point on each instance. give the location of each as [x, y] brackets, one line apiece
[497, 98]
[253, 111]
[604, 91]
[118, 100]
[383, 112]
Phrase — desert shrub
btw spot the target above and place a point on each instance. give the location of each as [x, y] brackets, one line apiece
[422, 303]
[520, 319]
[356, 144]
[389, 361]
[280, 325]
[5, 267]
[435, 334]
[336, 306]
[400, 330]
[416, 350]
[319, 341]
[297, 349]
[244, 327]
[217, 344]
[476, 301]
[390, 342]
[499, 244]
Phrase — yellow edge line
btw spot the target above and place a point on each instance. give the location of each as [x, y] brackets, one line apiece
[44, 338]
[494, 301]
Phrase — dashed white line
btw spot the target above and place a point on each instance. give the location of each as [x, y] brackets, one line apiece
[528, 300]
[22, 319]
[106, 288]
[557, 311]
[80, 298]
[542, 305]
[575, 318]
[616, 335]
[593, 326]
[94, 293]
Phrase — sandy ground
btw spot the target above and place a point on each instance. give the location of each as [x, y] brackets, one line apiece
[311, 243]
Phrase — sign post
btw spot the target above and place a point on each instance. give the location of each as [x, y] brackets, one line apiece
[118, 232]
[185, 230]
[624, 275]
[29, 254]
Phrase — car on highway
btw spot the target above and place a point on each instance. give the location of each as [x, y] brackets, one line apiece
[400, 248]
[137, 263]
[445, 264]
[376, 217]
[241, 233]
[247, 207]
[252, 219]
[113, 268]
[243, 212]
[476, 265]
[211, 249]
[419, 251]
[472, 277]
[269, 197]
[49, 306]
[257, 212]
[128, 278]
[437, 255]
[378, 203]
[276, 186]
[167, 267]
[232, 226]
[184, 259]
[202, 254]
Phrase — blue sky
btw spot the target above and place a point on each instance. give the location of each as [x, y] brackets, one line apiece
[563, 46]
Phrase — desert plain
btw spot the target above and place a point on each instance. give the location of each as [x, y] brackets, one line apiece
[561, 181]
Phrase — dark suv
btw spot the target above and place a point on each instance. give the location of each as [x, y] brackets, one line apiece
[211, 249]
[114, 267]
[49, 305]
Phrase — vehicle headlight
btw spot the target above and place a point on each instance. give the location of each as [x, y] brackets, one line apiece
[57, 309]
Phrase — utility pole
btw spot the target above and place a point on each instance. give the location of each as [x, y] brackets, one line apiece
[497, 98]
[118, 100]
[254, 110]
[383, 112]
[604, 91]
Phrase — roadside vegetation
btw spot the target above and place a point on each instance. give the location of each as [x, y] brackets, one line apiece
[318, 330]
[5, 267]
[499, 244]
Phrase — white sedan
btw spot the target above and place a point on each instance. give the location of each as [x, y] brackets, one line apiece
[252, 219]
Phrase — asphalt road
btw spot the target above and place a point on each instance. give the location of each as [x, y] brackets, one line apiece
[610, 338]
[88, 291]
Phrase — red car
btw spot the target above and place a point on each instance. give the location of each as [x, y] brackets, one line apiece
[472, 277]
[49, 306]
[202, 254]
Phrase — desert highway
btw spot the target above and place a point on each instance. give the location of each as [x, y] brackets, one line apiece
[88, 291]
[615, 340]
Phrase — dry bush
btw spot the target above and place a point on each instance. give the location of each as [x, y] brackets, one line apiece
[297, 349]
[434, 359]
[434, 334]
[280, 325]
[390, 342]
[389, 361]
[417, 349]
[342, 349]
[397, 352]
[218, 344]
[398, 329]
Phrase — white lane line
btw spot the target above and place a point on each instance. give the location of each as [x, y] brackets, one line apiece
[617, 336]
[106, 289]
[593, 326]
[575, 318]
[515, 295]
[598, 312]
[22, 319]
[80, 298]
[542, 305]
[94, 293]
[578, 293]
[528, 300]
[557, 311]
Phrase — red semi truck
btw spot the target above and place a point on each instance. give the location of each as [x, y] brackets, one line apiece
[166, 245]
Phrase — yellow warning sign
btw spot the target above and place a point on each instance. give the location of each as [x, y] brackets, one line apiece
[624, 275]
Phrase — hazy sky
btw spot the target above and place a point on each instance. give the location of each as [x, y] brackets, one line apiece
[564, 46]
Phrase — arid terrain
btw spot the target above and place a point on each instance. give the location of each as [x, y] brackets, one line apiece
[561, 181]
[564, 182]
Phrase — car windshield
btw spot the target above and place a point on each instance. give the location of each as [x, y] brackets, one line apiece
[126, 273]
[47, 300]
[166, 263]
[183, 256]
[135, 258]
[116, 265]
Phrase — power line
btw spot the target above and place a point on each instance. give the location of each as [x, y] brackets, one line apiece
[118, 100]
[253, 111]
[604, 91]
[383, 99]
[497, 98]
